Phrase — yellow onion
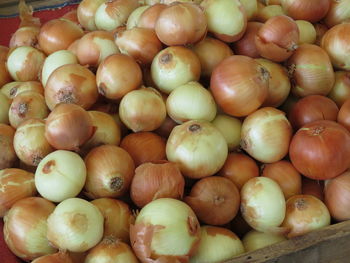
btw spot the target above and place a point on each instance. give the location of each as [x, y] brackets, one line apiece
[263, 205]
[4, 109]
[14, 88]
[5, 76]
[264, 13]
[60, 175]
[343, 115]
[72, 15]
[74, 47]
[311, 10]
[30, 143]
[254, 240]
[7, 154]
[86, 13]
[305, 213]
[198, 148]
[25, 228]
[175, 66]
[25, 63]
[75, 225]
[16, 184]
[217, 244]
[339, 12]
[227, 19]
[266, 135]
[321, 29]
[307, 32]
[134, 17]
[246, 45]
[25, 36]
[340, 91]
[60, 257]
[110, 170]
[250, 8]
[313, 187]
[167, 126]
[165, 230]
[150, 16]
[117, 218]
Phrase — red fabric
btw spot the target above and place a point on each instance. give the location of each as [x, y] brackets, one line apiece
[9, 25]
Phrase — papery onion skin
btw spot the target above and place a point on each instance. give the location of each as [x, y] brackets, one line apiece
[72, 15]
[12, 89]
[264, 13]
[239, 168]
[341, 88]
[307, 32]
[239, 85]
[60, 257]
[321, 150]
[25, 36]
[254, 240]
[86, 13]
[4, 109]
[251, 8]
[7, 154]
[5, 76]
[339, 12]
[266, 135]
[167, 126]
[110, 170]
[343, 115]
[217, 245]
[16, 184]
[321, 29]
[199, 149]
[313, 187]
[134, 17]
[246, 45]
[305, 213]
[25, 228]
[150, 16]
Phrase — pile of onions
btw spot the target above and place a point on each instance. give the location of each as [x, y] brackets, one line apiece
[339, 12]
[25, 36]
[7, 154]
[307, 32]
[311, 10]
[86, 13]
[246, 45]
[254, 240]
[12, 89]
[266, 12]
[149, 17]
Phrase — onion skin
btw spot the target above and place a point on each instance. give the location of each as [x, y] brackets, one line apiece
[25, 36]
[246, 45]
[304, 214]
[321, 150]
[7, 155]
[5, 76]
[266, 12]
[134, 17]
[312, 10]
[313, 187]
[339, 12]
[343, 115]
[4, 109]
[307, 32]
[150, 16]
[255, 240]
[321, 29]
[12, 89]
[86, 13]
[236, 81]
[341, 89]
[60, 257]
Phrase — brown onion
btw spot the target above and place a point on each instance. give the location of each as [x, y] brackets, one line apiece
[311, 10]
[4, 108]
[305, 213]
[5, 76]
[215, 200]
[321, 29]
[60, 257]
[86, 13]
[7, 154]
[27, 105]
[110, 170]
[134, 17]
[68, 127]
[321, 150]
[339, 12]
[136, 143]
[71, 83]
[312, 108]
[313, 187]
[239, 85]
[307, 32]
[16, 184]
[30, 143]
[74, 47]
[166, 127]
[150, 16]
[117, 218]
[156, 180]
[344, 115]
[311, 71]
[12, 89]
[25, 36]
[239, 168]
[126, 73]
[58, 34]
[246, 45]
[341, 88]
[25, 228]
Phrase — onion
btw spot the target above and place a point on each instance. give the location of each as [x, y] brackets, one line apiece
[126, 73]
[110, 170]
[136, 143]
[214, 199]
[16, 184]
[246, 45]
[263, 206]
[25, 228]
[227, 19]
[266, 12]
[25, 63]
[321, 150]
[311, 10]
[74, 47]
[117, 218]
[336, 43]
[285, 174]
[25, 36]
[230, 127]
[343, 115]
[255, 240]
[30, 143]
[307, 32]
[150, 16]
[4, 109]
[321, 29]
[175, 66]
[250, 8]
[313, 187]
[167, 126]
[68, 127]
[337, 196]
[71, 83]
[217, 245]
[111, 249]
[211, 52]
[54, 61]
[58, 34]
[7, 154]
[14, 88]
[60, 257]
[279, 84]
[134, 17]
[239, 85]
[312, 108]
[311, 71]
[277, 38]
[181, 24]
[341, 88]
[140, 43]
[266, 135]
[94, 47]
[305, 213]
[114, 13]
[165, 230]
[60, 175]
[75, 225]
[198, 148]
[72, 15]
[339, 12]
[86, 13]
[142, 109]
[5, 76]
[238, 225]
[27, 105]
[239, 168]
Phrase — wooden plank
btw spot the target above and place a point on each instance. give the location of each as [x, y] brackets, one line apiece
[328, 245]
